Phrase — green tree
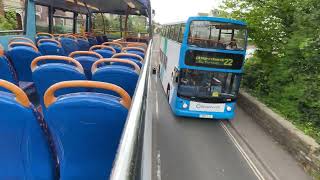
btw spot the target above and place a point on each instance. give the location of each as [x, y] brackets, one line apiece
[8, 21]
[285, 71]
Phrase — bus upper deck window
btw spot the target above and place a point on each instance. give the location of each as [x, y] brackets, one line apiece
[62, 22]
[12, 14]
[215, 35]
[42, 18]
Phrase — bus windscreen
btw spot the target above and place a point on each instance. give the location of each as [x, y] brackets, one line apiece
[207, 34]
[208, 86]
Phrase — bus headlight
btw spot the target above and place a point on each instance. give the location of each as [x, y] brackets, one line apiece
[185, 105]
[229, 108]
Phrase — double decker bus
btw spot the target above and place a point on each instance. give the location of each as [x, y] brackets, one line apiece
[201, 62]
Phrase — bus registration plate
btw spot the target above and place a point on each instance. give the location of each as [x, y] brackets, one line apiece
[207, 107]
[206, 116]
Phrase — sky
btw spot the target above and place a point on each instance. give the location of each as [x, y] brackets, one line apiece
[167, 11]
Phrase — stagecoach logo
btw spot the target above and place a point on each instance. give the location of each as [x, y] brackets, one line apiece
[206, 107]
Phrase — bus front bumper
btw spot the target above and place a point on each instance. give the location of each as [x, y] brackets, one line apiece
[188, 108]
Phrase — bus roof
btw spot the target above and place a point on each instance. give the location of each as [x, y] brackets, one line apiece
[133, 7]
[207, 18]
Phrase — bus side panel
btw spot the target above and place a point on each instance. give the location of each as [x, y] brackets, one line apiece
[171, 53]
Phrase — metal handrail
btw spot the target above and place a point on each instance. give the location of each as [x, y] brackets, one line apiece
[11, 31]
[125, 161]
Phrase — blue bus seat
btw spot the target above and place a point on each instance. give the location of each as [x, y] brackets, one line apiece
[7, 71]
[105, 38]
[21, 55]
[138, 45]
[20, 39]
[25, 150]
[86, 128]
[122, 76]
[69, 44]
[50, 47]
[134, 50]
[104, 51]
[100, 39]
[47, 74]
[27, 87]
[86, 59]
[43, 35]
[92, 40]
[133, 57]
[84, 44]
[118, 47]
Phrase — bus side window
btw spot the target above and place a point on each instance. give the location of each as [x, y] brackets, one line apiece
[181, 33]
[42, 18]
[12, 19]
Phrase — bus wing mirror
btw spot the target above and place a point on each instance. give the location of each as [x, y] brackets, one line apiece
[176, 75]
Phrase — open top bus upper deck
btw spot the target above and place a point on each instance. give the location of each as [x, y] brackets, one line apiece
[50, 16]
[89, 74]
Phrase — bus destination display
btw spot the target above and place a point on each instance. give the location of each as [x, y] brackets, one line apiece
[214, 59]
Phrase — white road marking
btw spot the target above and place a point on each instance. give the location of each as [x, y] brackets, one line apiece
[243, 153]
[157, 114]
[158, 166]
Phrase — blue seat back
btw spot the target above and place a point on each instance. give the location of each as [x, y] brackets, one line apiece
[50, 47]
[86, 59]
[21, 39]
[92, 41]
[42, 35]
[84, 44]
[48, 74]
[122, 76]
[21, 57]
[136, 52]
[118, 47]
[105, 38]
[86, 130]
[119, 75]
[132, 57]
[25, 152]
[69, 45]
[104, 51]
[7, 71]
[99, 39]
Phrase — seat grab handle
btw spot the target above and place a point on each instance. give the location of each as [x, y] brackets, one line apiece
[110, 60]
[128, 55]
[34, 63]
[103, 47]
[21, 96]
[49, 97]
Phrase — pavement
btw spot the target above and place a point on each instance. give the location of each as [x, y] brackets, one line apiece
[204, 149]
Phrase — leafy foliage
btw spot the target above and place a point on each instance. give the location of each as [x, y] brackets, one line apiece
[285, 71]
[112, 22]
[8, 21]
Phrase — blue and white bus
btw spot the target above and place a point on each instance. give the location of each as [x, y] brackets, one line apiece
[201, 62]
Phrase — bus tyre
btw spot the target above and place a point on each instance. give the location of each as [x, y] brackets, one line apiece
[168, 93]
[159, 71]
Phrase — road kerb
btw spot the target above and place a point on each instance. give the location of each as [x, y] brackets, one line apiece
[302, 147]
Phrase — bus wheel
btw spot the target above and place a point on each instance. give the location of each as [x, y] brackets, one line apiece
[159, 71]
[168, 93]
